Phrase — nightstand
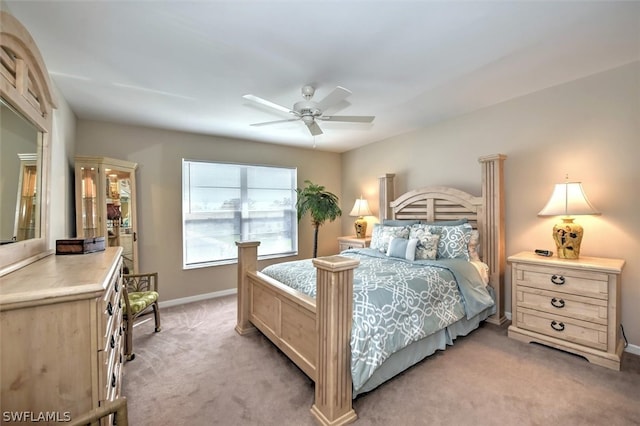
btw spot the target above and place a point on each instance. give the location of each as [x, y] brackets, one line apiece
[352, 241]
[568, 304]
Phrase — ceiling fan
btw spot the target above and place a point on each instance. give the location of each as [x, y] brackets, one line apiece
[309, 111]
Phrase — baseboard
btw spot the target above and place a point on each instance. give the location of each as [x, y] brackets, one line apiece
[632, 349]
[197, 298]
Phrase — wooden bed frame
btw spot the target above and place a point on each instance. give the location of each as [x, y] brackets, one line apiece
[315, 333]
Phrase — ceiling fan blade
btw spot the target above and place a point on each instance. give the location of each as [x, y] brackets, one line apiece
[265, 102]
[338, 95]
[351, 118]
[274, 122]
[315, 129]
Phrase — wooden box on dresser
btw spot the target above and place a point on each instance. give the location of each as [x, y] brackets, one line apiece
[62, 336]
[573, 305]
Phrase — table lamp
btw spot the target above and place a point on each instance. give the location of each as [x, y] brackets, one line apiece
[361, 209]
[568, 199]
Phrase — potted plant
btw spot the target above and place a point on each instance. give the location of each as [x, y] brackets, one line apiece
[322, 205]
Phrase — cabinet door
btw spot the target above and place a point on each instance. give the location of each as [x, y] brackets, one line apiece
[121, 221]
[87, 202]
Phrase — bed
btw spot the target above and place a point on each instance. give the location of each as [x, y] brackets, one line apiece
[315, 329]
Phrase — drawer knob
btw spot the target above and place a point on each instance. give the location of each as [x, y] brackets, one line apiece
[557, 326]
[557, 303]
[110, 309]
[557, 279]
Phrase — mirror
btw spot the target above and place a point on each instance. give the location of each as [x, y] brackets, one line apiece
[25, 158]
[19, 177]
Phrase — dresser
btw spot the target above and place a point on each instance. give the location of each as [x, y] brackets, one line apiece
[568, 304]
[62, 336]
[349, 242]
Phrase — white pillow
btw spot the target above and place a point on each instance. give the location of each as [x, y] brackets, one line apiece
[402, 248]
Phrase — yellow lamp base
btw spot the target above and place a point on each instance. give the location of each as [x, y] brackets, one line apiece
[568, 236]
[361, 227]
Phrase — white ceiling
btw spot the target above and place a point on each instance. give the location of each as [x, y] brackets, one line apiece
[185, 65]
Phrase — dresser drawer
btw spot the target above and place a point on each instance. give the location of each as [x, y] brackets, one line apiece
[564, 280]
[582, 308]
[564, 328]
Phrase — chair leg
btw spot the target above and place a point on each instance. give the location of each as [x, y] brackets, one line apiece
[156, 314]
[128, 346]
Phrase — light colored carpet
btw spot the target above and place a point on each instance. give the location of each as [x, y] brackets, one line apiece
[198, 371]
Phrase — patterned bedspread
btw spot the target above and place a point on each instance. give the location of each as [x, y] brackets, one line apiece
[396, 302]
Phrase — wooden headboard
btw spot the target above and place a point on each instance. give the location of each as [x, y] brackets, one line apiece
[484, 212]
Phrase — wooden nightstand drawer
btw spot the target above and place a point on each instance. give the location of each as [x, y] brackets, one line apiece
[585, 283]
[565, 328]
[582, 308]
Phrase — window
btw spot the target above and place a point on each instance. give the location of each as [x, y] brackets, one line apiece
[223, 203]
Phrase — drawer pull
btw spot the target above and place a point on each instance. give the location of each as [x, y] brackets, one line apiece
[557, 279]
[113, 380]
[117, 287]
[557, 326]
[557, 303]
[110, 309]
[113, 342]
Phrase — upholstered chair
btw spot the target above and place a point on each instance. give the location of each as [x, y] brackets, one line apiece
[140, 297]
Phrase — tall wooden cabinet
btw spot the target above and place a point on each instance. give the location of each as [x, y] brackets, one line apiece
[106, 204]
[62, 350]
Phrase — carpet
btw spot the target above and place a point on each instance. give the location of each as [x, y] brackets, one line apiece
[198, 371]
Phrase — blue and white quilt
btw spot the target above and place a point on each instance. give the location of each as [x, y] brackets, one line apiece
[396, 302]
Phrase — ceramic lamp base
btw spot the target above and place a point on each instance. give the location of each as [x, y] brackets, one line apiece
[361, 227]
[568, 236]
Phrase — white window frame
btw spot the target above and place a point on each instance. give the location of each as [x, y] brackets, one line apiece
[242, 213]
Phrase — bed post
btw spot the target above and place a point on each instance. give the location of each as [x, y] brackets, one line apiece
[247, 262]
[334, 314]
[492, 223]
[385, 196]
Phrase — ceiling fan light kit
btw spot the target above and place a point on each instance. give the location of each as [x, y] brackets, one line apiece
[309, 111]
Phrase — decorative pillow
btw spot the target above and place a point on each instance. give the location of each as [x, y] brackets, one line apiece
[472, 248]
[454, 241]
[427, 242]
[402, 248]
[382, 234]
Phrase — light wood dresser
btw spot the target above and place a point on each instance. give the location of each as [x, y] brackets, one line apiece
[573, 305]
[62, 337]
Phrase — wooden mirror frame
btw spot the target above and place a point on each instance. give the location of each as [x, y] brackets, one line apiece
[25, 85]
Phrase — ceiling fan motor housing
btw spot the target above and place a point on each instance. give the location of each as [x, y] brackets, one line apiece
[307, 109]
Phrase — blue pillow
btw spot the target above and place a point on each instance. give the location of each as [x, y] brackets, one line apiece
[400, 222]
[403, 248]
[446, 222]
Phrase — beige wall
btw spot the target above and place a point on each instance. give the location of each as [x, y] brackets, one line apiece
[63, 139]
[589, 128]
[159, 178]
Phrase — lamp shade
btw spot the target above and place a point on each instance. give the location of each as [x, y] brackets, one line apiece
[568, 199]
[360, 208]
